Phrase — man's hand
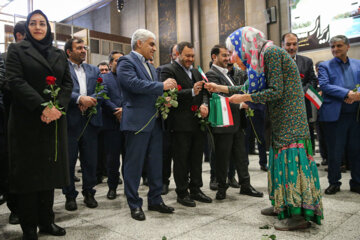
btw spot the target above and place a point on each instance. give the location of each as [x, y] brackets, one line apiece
[87, 101]
[352, 97]
[244, 106]
[118, 113]
[50, 114]
[82, 108]
[169, 83]
[204, 111]
[213, 87]
[197, 87]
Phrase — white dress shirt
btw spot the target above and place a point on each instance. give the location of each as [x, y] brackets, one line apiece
[81, 76]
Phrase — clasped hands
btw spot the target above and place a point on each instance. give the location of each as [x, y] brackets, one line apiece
[352, 97]
[85, 102]
[50, 114]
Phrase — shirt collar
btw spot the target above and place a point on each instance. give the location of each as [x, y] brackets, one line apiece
[141, 57]
[338, 60]
[178, 62]
[76, 65]
[223, 70]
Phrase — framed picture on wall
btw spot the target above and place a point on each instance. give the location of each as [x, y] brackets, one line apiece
[315, 22]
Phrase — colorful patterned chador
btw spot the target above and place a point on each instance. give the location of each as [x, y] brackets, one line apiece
[294, 187]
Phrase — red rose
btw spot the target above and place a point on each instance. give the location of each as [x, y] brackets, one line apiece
[302, 75]
[50, 80]
[179, 87]
[194, 108]
[99, 80]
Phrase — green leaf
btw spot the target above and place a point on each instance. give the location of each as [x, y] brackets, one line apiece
[63, 113]
[273, 236]
[165, 94]
[163, 238]
[46, 91]
[57, 91]
[174, 103]
[265, 227]
[167, 110]
[164, 115]
[45, 104]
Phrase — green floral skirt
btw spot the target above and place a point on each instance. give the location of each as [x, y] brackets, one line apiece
[294, 186]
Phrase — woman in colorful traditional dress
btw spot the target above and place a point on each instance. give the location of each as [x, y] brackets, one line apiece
[293, 181]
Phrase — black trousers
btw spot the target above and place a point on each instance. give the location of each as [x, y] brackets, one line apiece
[231, 146]
[167, 156]
[36, 209]
[187, 148]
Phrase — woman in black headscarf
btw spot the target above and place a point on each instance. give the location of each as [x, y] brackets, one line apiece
[37, 166]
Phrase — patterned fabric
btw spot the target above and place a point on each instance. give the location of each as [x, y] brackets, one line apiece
[293, 179]
[293, 182]
[250, 45]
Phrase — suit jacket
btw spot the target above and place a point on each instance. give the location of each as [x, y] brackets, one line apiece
[331, 83]
[113, 90]
[182, 118]
[140, 92]
[74, 114]
[306, 68]
[32, 142]
[214, 75]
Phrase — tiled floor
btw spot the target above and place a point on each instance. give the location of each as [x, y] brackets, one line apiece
[237, 217]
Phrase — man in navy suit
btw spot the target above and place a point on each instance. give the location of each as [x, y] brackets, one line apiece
[112, 136]
[84, 77]
[338, 78]
[140, 88]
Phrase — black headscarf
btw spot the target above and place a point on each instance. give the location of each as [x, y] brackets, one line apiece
[44, 45]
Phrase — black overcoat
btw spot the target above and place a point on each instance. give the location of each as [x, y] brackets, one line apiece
[31, 141]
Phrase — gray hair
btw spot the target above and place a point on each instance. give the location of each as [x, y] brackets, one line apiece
[142, 35]
[338, 38]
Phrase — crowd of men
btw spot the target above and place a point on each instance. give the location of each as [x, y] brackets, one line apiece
[133, 86]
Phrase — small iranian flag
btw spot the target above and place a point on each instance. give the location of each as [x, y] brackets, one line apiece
[203, 74]
[314, 97]
[220, 113]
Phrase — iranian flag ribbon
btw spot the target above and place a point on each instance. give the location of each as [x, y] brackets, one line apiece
[203, 74]
[220, 113]
[314, 97]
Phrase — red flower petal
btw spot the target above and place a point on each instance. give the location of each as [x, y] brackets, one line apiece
[179, 87]
[99, 80]
[194, 108]
[50, 80]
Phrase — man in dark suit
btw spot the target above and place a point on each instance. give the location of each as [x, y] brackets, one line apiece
[19, 35]
[290, 43]
[112, 136]
[140, 88]
[338, 77]
[229, 141]
[187, 138]
[167, 156]
[84, 77]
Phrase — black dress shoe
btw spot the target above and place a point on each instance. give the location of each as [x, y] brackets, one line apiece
[111, 194]
[2, 199]
[264, 168]
[324, 162]
[332, 189]
[89, 200]
[250, 191]
[52, 229]
[137, 214]
[213, 185]
[165, 189]
[186, 201]
[355, 189]
[221, 194]
[201, 197]
[120, 181]
[233, 183]
[161, 208]
[13, 219]
[70, 204]
[76, 179]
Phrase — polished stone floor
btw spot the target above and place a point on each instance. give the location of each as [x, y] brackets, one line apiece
[237, 217]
